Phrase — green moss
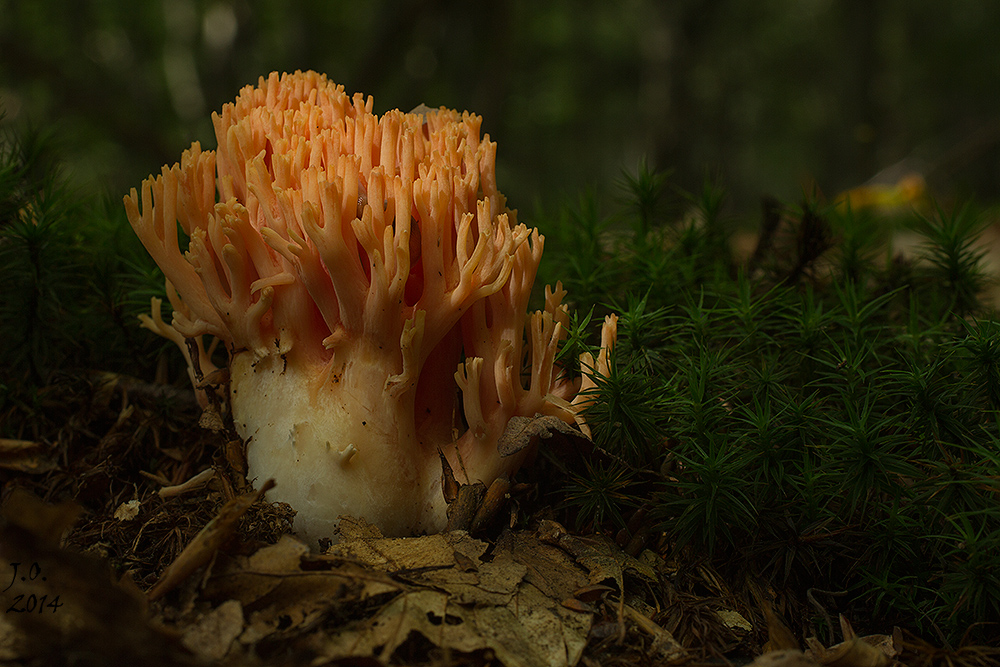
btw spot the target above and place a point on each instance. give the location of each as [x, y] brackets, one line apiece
[73, 275]
[822, 414]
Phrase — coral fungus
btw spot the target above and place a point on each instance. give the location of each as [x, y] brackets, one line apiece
[371, 287]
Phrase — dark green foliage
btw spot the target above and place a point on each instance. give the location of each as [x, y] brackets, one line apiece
[40, 272]
[72, 275]
[823, 414]
[952, 257]
[600, 494]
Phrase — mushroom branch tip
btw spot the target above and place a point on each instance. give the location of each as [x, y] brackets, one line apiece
[370, 286]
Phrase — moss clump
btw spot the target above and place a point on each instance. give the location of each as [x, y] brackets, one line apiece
[73, 279]
[820, 415]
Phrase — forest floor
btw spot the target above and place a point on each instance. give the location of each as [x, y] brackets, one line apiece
[131, 536]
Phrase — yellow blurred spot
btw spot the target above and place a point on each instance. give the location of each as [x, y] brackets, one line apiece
[908, 192]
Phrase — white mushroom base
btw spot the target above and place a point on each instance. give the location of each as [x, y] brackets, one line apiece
[335, 445]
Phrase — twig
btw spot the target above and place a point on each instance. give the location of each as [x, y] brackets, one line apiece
[821, 609]
[196, 482]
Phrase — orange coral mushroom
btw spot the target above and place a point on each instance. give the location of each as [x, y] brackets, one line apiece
[351, 263]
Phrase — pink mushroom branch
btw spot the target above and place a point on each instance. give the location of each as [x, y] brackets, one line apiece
[371, 287]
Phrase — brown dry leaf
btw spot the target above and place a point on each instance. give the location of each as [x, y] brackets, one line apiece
[355, 528]
[26, 456]
[249, 579]
[448, 560]
[551, 569]
[282, 598]
[604, 561]
[603, 558]
[523, 432]
[779, 635]
[60, 603]
[449, 485]
[211, 637]
[854, 651]
[211, 419]
[784, 658]
[207, 542]
[496, 498]
[734, 620]
[127, 511]
[396, 554]
[462, 510]
[510, 604]
[47, 523]
[493, 583]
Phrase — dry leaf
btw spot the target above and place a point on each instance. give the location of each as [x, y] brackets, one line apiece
[205, 544]
[734, 620]
[784, 658]
[462, 510]
[510, 604]
[524, 432]
[127, 510]
[26, 456]
[213, 634]
[496, 498]
[528, 634]
[854, 651]
[395, 554]
[355, 528]
[211, 419]
[437, 586]
[604, 561]
[779, 636]
[45, 522]
[60, 603]
[250, 579]
[449, 485]
[602, 557]
[592, 593]
[492, 583]
[284, 598]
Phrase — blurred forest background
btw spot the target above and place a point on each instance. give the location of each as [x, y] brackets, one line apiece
[771, 96]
